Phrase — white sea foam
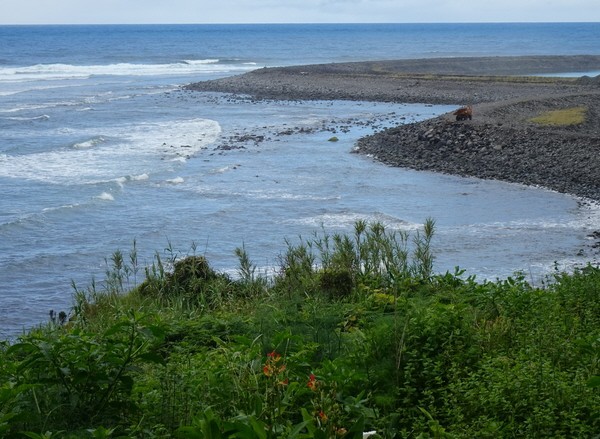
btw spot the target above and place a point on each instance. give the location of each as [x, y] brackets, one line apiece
[53, 72]
[531, 224]
[122, 180]
[142, 149]
[179, 138]
[270, 194]
[89, 143]
[201, 61]
[28, 119]
[346, 220]
[176, 180]
[28, 107]
[221, 170]
[105, 196]
[64, 206]
[98, 99]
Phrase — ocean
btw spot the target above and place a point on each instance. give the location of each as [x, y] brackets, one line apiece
[100, 147]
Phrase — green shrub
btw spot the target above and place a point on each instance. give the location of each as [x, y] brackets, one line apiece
[74, 379]
[355, 332]
[336, 284]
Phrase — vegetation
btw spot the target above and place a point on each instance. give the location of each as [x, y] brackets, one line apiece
[564, 117]
[355, 333]
[513, 79]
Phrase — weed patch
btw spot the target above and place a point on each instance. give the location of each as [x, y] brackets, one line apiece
[564, 117]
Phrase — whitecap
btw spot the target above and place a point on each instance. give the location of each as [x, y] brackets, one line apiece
[89, 143]
[27, 119]
[221, 170]
[200, 61]
[105, 196]
[139, 151]
[284, 195]
[64, 206]
[140, 177]
[346, 220]
[58, 71]
[176, 180]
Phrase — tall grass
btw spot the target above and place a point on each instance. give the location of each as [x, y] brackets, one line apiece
[354, 332]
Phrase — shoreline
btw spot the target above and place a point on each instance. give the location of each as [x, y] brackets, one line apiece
[502, 143]
[456, 81]
[499, 143]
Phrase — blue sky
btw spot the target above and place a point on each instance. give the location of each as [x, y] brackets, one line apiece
[294, 11]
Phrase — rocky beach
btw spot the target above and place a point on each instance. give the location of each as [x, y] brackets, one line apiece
[503, 141]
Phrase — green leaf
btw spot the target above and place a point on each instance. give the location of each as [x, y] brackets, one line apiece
[116, 328]
[356, 431]
[22, 348]
[237, 429]
[158, 332]
[152, 357]
[594, 381]
[189, 432]
[297, 431]
[259, 428]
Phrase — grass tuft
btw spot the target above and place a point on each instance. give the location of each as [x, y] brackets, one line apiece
[564, 117]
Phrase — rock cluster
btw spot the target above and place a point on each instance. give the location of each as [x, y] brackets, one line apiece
[568, 162]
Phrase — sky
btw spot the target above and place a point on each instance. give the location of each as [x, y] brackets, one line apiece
[294, 11]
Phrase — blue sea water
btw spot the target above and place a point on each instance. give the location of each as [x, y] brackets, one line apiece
[99, 147]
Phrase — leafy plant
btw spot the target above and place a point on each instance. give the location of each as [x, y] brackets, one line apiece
[83, 378]
[355, 332]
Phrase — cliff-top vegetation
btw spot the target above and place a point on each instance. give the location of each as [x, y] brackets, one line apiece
[354, 333]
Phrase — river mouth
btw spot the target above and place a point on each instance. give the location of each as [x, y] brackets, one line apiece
[269, 171]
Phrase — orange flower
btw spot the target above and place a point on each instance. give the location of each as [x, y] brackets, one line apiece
[274, 355]
[323, 416]
[267, 370]
[271, 368]
[312, 382]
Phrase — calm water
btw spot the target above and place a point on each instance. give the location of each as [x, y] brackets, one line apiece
[99, 147]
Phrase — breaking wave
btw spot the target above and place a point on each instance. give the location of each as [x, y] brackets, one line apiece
[54, 72]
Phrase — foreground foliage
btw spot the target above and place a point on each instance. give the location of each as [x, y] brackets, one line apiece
[355, 333]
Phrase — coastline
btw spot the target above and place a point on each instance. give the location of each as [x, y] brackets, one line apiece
[499, 143]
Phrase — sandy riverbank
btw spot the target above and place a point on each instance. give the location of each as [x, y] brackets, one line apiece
[501, 142]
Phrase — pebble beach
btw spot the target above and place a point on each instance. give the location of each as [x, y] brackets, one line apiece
[500, 142]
